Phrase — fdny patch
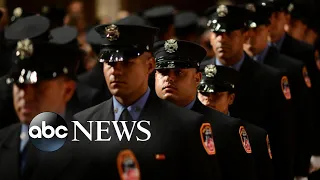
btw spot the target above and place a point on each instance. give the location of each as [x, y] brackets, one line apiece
[128, 166]
[207, 138]
[245, 139]
[269, 147]
[306, 77]
[285, 87]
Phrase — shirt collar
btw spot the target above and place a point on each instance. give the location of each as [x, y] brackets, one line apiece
[260, 57]
[190, 105]
[236, 66]
[134, 109]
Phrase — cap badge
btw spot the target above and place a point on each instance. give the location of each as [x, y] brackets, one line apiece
[24, 49]
[171, 46]
[290, 7]
[17, 12]
[251, 7]
[65, 70]
[210, 70]
[45, 9]
[253, 25]
[222, 10]
[112, 32]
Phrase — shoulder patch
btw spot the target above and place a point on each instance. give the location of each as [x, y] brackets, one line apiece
[269, 147]
[207, 138]
[128, 166]
[306, 76]
[245, 139]
[285, 87]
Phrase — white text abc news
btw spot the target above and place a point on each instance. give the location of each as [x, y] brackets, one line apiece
[61, 131]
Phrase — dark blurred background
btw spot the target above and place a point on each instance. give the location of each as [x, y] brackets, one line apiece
[85, 14]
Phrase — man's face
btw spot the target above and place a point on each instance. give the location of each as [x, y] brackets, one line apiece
[50, 95]
[219, 101]
[177, 85]
[257, 41]
[228, 45]
[297, 29]
[277, 22]
[76, 7]
[128, 77]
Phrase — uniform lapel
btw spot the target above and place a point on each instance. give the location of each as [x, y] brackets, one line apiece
[151, 108]
[51, 164]
[271, 58]
[197, 106]
[246, 65]
[108, 113]
[246, 71]
[32, 159]
[9, 154]
[150, 113]
[286, 45]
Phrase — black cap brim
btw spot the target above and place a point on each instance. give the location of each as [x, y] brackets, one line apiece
[222, 26]
[112, 55]
[174, 64]
[211, 88]
[208, 85]
[29, 76]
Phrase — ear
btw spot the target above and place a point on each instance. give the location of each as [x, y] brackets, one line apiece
[212, 36]
[246, 35]
[151, 63]
[268, 28]
[198, 77]
[231, 98]
[287, 18]
[69, 89]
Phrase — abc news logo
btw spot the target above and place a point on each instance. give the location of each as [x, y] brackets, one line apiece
[48, 131]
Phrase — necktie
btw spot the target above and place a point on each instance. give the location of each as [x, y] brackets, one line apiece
[23, 149]
[23, 158]
[125, 115]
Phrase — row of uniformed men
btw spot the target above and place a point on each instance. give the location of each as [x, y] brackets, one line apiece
[177, 78]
